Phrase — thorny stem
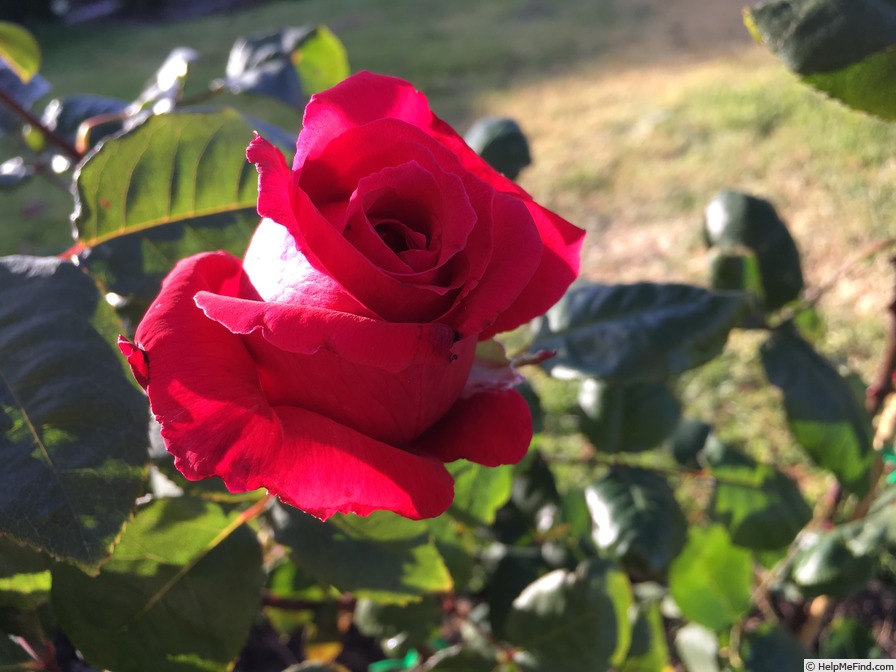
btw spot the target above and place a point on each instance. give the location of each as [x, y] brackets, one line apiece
[30, 119]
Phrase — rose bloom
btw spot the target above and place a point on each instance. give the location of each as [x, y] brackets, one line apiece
[334, 365]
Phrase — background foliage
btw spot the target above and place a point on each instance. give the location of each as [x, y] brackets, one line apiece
[649, 526]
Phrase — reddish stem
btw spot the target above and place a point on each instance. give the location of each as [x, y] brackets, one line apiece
[50, 134]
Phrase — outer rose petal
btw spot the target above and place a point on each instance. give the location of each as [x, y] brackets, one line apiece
[204, 389]
[491, 428]
[358, 100]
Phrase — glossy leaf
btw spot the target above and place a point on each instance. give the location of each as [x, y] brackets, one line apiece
[134, 266]
[736, 272]
[637, 518]
[761, 508]
[19, 50]
[734, 221]
[413, 624]
[478, 491]
[74, 427]
[24, 94]
[574, 621]
[164, 89]
[842, 48]
[65, 116]
[510, 570]
[826, 565]
[847, 637]
[634, 333]
[502, 143]
[631, 418]
[24, 577]
[688, 442]
[825, 415]
[288, 64]
[698, 648]
[179, 594]
[460, 659]
[170, 169]
[321, 61]
[648, 651]
[382, 557]
[711, 579]
[771, 648]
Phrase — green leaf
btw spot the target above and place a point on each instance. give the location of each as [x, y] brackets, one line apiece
[771, 648]
[65, 115]
[711, 579]
[458, 545]
[179, 594]
[24, 577]
[698, 648]
[842, 48]
[688, 442]
[382, 557]
[133, 267]
[648, 651]
[172, 168]
[23, 94]
[511, 569]
[761, 508]
[478, 491]
[288, 64]
[848, 637]
[74, 427]
[460, 659]
[734, 221]
[413, 624]
[825, 416]
[321, 61]
[501, 143]
[19, 50]
[637, 518]
[634, 333]
[627, 418]
[164, 89]
[826, 565]
[736, 272]
[574, 621]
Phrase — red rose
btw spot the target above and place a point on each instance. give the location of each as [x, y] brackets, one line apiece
[333, 365]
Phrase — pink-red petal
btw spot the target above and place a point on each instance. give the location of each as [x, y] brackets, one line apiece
[491, 428]
[305, 330]
[204, 390]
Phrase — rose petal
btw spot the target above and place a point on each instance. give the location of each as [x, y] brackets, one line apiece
[336, 110]
[279, 272]
[274, 182]
[491, 428]
[204, 389]
[305, 330]
[323, 468]
[515, 252]
[558, 267]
